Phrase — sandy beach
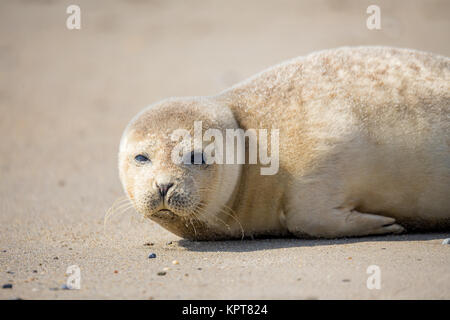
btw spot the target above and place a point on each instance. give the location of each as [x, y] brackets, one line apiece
[66, 96]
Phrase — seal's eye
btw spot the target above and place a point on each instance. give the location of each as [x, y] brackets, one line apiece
[140, 158]
[196, 156]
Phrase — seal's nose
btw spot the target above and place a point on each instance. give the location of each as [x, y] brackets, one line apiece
[164, 188]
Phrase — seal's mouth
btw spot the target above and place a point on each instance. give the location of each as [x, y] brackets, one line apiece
[164, 211]
[163, 214]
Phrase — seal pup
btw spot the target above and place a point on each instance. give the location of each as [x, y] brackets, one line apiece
[363, 149]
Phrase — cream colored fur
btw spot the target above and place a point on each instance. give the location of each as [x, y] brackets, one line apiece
[364, 149]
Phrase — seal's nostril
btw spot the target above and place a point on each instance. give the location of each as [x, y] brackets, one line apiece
[164, 188]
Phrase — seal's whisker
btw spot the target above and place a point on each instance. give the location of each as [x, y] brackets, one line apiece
[196, 211]
[116, 212]
[193, 226]
[232, 215]
[224, 223]
[120, 204]
[222, 211]
[118, 201]
[199, 211]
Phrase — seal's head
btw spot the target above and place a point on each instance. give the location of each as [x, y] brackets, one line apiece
[162, 188]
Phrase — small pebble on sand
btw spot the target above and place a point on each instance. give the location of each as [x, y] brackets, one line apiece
[166, 269]
[175, 262]
[161, 273]
[115, 271]
[152, 256]
[148, 244]
[446, 241]
[7, 286]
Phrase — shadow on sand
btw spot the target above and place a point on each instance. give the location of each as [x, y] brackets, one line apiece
[277, 243]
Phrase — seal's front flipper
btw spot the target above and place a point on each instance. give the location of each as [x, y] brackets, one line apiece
[345, 222]
[355, 223]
